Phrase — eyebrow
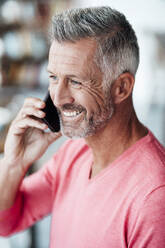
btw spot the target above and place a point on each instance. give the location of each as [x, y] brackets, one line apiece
[49, 71]
[69, 75]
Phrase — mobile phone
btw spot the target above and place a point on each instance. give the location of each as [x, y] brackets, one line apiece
[52, 118]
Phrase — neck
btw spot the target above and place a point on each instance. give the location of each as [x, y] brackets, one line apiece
[122, 131]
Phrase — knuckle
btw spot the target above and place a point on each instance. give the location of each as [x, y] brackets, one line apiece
[26, 100]
[33, 102]
[29, 100]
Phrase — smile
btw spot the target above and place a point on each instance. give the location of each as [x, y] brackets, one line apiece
[71, 114]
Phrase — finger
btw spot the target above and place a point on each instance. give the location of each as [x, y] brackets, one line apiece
[31, 101]
[31, 111]
[20, 126]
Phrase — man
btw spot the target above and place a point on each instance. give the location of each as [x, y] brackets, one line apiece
[107, 188]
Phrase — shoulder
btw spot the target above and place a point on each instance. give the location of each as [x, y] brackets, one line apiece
[150, 158]
[153, 150]
[147, 214]
[145, 174]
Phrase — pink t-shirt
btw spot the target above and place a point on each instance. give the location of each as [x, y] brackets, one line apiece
[122, 206]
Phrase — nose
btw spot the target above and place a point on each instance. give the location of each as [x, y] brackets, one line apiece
[61, 94]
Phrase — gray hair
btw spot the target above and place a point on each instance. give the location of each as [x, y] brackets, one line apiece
[117, 49]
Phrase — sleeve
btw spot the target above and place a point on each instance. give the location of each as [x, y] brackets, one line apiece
[149, 229]
[34, 199]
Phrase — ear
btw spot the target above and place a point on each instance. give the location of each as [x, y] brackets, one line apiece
[122, 87]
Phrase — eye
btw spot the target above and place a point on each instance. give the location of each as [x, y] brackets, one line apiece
[53, 79]
[75, 83]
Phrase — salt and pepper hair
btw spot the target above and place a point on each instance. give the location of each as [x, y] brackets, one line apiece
[117, 47]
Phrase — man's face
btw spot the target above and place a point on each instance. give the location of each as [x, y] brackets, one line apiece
[76, 88]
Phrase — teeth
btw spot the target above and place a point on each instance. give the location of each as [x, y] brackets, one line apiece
[71, 114]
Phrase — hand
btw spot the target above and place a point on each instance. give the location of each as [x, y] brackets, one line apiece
[26, 140]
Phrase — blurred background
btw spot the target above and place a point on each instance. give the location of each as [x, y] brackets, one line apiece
[24, 45]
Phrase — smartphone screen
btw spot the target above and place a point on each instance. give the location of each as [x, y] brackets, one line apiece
[52, 117]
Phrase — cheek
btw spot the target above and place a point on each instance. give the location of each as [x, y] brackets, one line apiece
[92, 99]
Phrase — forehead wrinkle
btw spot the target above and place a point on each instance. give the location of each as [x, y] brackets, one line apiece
[69, 54]
[63, 59]
[63, 63]
[54, 54]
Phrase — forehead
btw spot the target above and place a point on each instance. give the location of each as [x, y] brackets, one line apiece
[71, 56]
